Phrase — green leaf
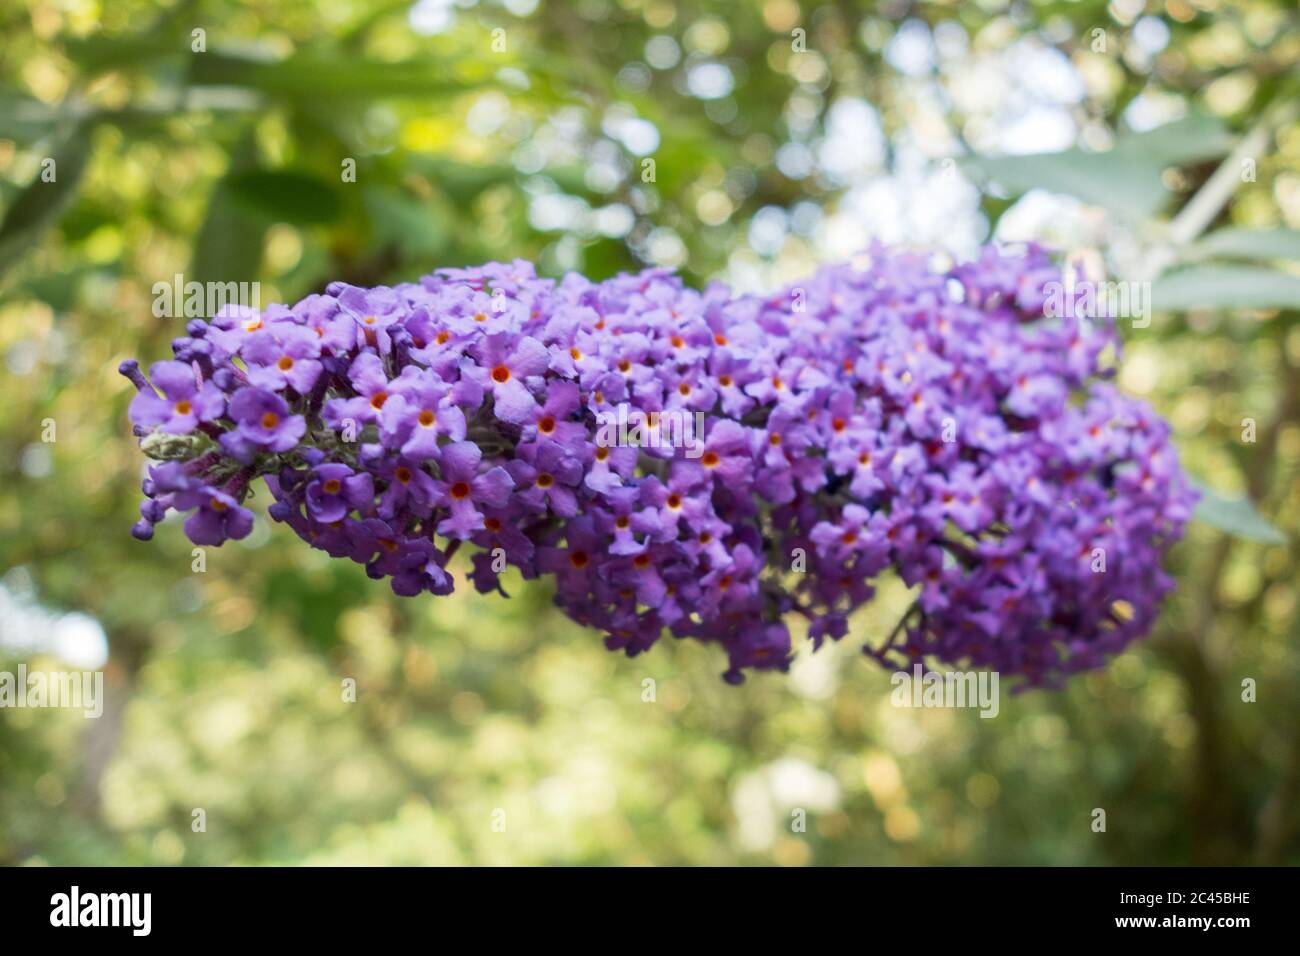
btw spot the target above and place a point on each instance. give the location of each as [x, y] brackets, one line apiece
[60, 289]
[462, 182]
[313, 76]
[285, 196]
[1127, 178]
[1235, 516]
[169, 34]
[40, 203]
[1116, 180]
[229, 244]
[1192, 139]
[97, 54]
[1264, 244]
[420, 229]
[24, 118]
[1225, 287]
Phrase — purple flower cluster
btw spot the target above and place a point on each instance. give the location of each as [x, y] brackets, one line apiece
[887, 416]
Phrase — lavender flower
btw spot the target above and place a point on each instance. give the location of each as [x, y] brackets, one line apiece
[901, 421]
[185, 402]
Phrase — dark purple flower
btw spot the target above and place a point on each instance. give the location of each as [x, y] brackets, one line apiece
[219, 516]
[336, 490]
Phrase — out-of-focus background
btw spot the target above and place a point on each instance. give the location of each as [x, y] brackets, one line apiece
[294, 143]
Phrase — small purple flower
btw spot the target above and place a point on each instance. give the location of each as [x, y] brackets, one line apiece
[219, 517]
[184, 402]
[409, 489]
[375, 312]
[548, 477]
[262, 423]
[337, 490]
[420, 410]
[503, 368]
[462, 489]
[367, 377]
[283, 355]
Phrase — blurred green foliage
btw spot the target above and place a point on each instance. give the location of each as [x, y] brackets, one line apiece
[225, 686]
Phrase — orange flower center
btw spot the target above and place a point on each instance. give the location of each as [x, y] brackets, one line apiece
[270, 420]
[427, 418]
[377, 400]
[285, 363]
[403, 475]
[710, 460]
[544, 480]
[579, 559]
[546, 425]
[183, 407]
[332, 487]
[460, 490]
[501, 375]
